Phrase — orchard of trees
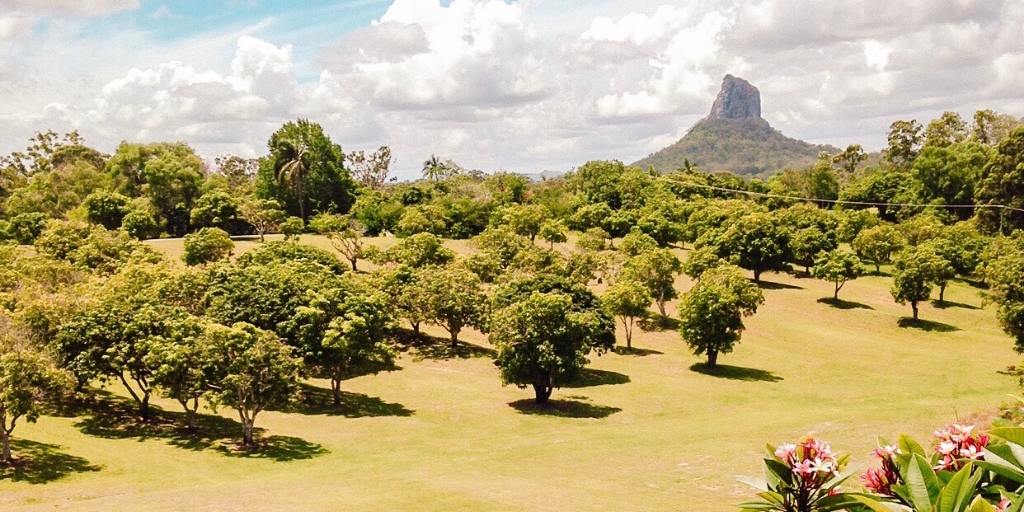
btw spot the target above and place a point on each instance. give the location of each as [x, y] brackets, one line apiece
[86, 303]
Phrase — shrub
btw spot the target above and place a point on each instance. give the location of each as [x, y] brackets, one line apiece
[206, 245]
[292, 227]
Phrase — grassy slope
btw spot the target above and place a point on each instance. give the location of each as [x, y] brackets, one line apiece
[440, 433]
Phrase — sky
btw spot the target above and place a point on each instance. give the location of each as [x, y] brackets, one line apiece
[526, 86]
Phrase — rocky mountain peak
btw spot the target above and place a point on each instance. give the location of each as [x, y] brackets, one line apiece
[737, 99]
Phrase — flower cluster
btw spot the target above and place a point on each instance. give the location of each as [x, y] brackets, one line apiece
[956, 443]
[880, 480]
[812, 461]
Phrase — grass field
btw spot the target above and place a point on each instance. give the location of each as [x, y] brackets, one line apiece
[648, 431]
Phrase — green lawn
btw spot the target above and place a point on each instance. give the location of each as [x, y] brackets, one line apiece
[647, 433]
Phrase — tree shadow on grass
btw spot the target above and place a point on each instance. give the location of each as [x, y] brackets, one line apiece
[636, 351]
[423, 346]
[843, 304]
[590, 377]
[40, 463]
[950, 304]
[926, 325]
[725, 371]
[112, 417]
[276, 448]
[316, 400]
[656, 323]
[570, 407]
[768, 285]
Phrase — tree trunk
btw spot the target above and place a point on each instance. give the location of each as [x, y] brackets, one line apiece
[247, 428]
[629, 333]
[302, 203]
[661, 304]
[354, 269]
[913, 305]
[336, 388]
[835, 296]
[542, 387]
[757, 276]
[415, 326]
[5, 450]
[807, 269]
[455, 337]
[144, 406]
[878, 268]
[942, 293]
[712, 358]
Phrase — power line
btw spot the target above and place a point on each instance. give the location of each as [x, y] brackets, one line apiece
[841, 201]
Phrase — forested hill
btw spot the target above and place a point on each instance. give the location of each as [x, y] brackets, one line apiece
[735, 138]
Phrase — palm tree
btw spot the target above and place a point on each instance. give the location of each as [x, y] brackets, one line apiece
[433, 168]
[291, 169]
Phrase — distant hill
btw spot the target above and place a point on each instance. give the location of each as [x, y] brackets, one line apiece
[735, 138]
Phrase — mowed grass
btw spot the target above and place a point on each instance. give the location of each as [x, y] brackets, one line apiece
[646, 431]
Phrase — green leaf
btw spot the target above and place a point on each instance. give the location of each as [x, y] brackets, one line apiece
[1013, 435]
[878, 506]
[958, 492]
[922, 484]
[980, 505]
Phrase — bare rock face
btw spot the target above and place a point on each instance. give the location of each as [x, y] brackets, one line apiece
[736, 100]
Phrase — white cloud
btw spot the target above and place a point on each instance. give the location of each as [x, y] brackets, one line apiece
[501, 84]
[70, 7]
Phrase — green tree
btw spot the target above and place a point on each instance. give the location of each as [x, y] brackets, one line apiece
[434, 169]
[949, 174]
[915, 271]
[26, 227]
[947, 130]
[454, 299]
[254, 370]
[344, 233]
[947, 252]
[637, 242]
[525, 219]
[543, 341]
[263, 215]
[552, 232]
[593, 239]
[1004, 274]
[699, 261]
[850, 158]
[219, 209]
[168, 174]
[904, 142]
[140, 224]
[657, 270]
[755, 242]
[292, 228]
[838, 266]
[628, 301]
[180, 363]
[28, 383]
[355, 340]
[711, 314]
[878, 244]
[806, 244]
[418, 250]
[305, 171]
[207, 245]
[106, 208]
[110, 339]
[1002, 183]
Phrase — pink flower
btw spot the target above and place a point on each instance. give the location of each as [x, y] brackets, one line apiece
[804, 468]
[1003, 506]
[785, 451]
[886, 451]
[878, 480]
